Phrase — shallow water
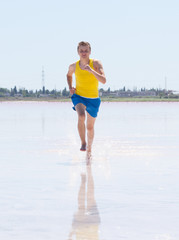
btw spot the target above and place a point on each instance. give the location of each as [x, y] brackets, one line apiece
[130, 189]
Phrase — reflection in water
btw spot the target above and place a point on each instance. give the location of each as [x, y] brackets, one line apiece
[86, 220]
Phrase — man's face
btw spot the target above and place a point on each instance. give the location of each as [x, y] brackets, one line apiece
[84, 52]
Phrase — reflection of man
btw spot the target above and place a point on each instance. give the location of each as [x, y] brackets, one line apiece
[86, 220]
[88, 73]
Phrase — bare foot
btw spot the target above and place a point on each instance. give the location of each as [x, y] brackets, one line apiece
[88, 157]
[83, 147]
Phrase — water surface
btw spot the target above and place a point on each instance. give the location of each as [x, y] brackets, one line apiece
[130, 189]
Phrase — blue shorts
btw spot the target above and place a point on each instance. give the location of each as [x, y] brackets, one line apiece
[92, 104]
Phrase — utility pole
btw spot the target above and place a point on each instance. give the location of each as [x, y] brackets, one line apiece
[165, 83]
[43, 80]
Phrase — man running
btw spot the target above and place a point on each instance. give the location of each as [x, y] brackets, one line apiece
[88, 73]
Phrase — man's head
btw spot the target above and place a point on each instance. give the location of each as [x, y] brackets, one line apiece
[84, 49]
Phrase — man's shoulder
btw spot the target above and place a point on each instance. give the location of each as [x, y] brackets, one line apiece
[96, 63]
[72, 66]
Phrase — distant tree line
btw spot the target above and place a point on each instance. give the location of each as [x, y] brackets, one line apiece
[14, 92]
[22, 92]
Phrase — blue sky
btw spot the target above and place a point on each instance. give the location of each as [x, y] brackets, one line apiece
[136, 41]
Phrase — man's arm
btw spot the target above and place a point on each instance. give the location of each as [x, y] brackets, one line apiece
[71, 70]
[98, 71]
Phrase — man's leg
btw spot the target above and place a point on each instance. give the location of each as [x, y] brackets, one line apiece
[90, 131]
[80, 108]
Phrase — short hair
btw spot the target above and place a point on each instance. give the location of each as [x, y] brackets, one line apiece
[82, 43]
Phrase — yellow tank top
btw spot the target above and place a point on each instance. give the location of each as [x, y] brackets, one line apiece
[86, 83]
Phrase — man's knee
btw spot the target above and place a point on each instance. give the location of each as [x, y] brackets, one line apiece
[90, 127]
[80, 108]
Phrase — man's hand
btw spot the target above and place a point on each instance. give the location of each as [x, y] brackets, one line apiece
[87, 68]
[97, 72]
[72, 90]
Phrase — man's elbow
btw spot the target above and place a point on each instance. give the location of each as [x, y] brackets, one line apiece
[104, 80]
[69, 76]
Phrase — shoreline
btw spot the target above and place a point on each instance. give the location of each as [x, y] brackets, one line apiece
[132, 99]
